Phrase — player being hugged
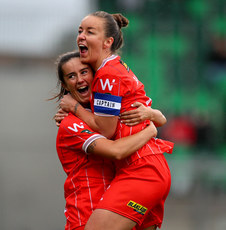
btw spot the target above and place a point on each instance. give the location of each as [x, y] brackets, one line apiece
[81, 150]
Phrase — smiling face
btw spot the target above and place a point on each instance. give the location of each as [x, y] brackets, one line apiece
[78, 78]
[93, 45]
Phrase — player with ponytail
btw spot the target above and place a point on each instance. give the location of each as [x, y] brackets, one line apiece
[137, 194]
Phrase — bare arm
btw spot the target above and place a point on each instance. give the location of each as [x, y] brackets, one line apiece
[142, 113]
[104, 125]
[123, 147]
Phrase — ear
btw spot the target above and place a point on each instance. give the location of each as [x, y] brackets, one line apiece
[64, 86]
[108, 42]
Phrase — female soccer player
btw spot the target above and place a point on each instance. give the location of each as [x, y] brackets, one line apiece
[80, 149]
[142, 181]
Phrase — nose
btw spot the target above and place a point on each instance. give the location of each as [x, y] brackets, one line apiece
[79, 79]
[81, 36]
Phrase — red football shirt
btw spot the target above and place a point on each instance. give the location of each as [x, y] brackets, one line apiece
[88, 176]
[115, 88]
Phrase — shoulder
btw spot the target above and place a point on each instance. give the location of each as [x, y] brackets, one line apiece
[70, 119]
[113, 67]
[72, 125]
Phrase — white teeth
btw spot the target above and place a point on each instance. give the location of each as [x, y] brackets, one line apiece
[82, 87]
[82, 46]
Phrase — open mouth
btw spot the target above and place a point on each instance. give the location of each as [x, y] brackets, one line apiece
[83, 89]
[83, 49]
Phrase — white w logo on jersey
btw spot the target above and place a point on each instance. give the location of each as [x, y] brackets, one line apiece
[107, 83]
[81, 126]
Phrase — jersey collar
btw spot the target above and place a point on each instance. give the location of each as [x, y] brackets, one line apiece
[112, 57]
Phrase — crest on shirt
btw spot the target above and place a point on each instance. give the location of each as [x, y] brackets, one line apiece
[125, 65]
[87, 131]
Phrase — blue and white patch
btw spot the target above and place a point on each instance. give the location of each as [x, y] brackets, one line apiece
[107, 104]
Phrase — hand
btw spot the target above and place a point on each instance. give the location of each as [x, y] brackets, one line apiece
[60, 115]
[136, 116]
[67, 103]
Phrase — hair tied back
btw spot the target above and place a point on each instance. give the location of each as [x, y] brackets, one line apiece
[121, 20]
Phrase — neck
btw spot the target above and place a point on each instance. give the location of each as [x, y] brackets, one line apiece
[100, 60]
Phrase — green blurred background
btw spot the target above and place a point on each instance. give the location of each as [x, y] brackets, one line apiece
[177, 48]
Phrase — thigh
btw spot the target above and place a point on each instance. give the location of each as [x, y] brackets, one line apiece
[154, 217]
[82, 201]
[137, 189]
[103, 219]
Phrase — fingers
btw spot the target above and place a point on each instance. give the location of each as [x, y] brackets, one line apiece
[58, 124]
[61, 104]
[61, 111]
[131, 121]
[133, 117]
[128, 116]
[136, 111]
[59, 116]
[136, 104]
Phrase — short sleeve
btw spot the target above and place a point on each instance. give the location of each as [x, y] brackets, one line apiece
[76, 134]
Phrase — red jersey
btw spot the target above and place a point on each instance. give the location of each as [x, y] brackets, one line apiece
[115, 88]
[88, 176]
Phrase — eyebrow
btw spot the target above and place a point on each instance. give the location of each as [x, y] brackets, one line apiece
[67, 75]
[89, 28]
[84, 68]
[73, 73]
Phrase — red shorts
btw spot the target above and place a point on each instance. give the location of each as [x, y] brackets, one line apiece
[139, 191]
[81, 203]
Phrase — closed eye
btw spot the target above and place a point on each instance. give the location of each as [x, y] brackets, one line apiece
[79, 31]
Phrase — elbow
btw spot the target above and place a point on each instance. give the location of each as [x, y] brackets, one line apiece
[155, 133]
[165, 120]
[119, 156]
[160, 123]
[107, 134]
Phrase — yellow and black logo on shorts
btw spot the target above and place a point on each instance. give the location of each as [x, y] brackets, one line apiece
[137, 207]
